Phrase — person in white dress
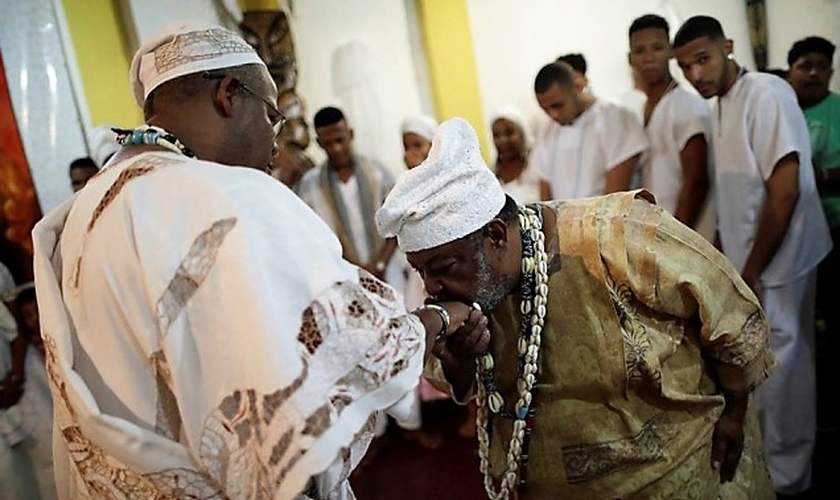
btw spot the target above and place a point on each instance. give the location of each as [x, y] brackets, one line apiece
[512, 142]
[771, 227]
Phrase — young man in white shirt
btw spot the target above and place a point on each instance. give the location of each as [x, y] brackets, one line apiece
[676, 167]
[590, 147]
[771, 227]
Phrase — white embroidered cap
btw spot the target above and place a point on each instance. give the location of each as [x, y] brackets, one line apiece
[422, 125]
[184, 48]
[450, 195]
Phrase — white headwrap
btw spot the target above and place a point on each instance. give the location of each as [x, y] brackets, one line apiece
[422, 125]
[103, 144]
[513, 114]
[450, 195]
[184, 48]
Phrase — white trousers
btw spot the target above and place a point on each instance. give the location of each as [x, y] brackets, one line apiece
[787, 401]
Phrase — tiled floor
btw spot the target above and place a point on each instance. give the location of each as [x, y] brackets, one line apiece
[398, 468]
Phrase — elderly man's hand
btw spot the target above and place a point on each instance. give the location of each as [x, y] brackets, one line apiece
[466, 341]
[728, 438]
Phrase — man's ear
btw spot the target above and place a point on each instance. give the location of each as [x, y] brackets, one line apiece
[497, 232]
[729, 46]
[223, 96]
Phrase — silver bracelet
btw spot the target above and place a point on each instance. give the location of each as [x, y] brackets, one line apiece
[444, 317]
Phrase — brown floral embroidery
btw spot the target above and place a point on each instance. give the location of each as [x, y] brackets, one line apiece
[355, 309]
[101, 475]
[375, 286]
[746, 347]
[585, 462]
[639, 358]
[309, 334]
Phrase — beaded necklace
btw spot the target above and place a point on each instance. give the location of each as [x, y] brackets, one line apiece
[534, 291]
[149, 134]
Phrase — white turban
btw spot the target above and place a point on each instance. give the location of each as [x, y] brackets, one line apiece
[103, 144]
[450, 195]
[422, 125]
[184, 48]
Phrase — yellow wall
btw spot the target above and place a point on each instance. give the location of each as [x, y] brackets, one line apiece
[451, 63]
[103, 60]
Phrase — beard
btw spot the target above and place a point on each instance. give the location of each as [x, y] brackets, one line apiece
[491, 290]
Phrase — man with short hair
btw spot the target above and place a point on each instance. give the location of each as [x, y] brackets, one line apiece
[771, 227]
[809, 73]
[203, 336]
[676, 167]
[578, 63]
[346, 190]
[623, 346]
[81, 170]
[590, 147]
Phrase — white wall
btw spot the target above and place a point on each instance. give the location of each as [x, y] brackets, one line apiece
[512, 44]
[320, 27]
[512, 41]
[791, 20]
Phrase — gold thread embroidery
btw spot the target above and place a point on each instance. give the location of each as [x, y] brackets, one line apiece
[181, 49]
[585, 462]
[168, 416]
[192, 272]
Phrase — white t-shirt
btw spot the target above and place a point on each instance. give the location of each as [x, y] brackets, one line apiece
[679, 116]
[576, 158]
[350, 194]
[754, 126]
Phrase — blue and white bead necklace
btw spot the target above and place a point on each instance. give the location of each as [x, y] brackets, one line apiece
[156, 136]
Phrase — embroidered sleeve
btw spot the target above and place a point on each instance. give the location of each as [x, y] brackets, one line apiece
[675, 271]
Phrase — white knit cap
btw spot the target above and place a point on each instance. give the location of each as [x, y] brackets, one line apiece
[103, 144]
[184, 48]
[450, 195]
[422, 125]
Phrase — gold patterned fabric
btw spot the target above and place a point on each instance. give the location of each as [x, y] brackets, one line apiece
[642, 314]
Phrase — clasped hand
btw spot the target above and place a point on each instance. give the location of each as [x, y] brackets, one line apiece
[467, 335]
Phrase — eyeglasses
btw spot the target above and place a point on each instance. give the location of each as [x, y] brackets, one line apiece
[275, 116]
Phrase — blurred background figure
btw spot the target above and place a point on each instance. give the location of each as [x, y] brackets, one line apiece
[417, 132]
[26, 464]
[578, 63]
[512, 142]
[81, 170]
[269, 32]
[102, 142]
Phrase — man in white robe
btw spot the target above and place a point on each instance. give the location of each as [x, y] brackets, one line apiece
[204, 337]
[771, 227]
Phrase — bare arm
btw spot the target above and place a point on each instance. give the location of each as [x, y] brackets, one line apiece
[620, 177]
[695, 180]
[782, 194]
[457, 354]
[545, 190]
